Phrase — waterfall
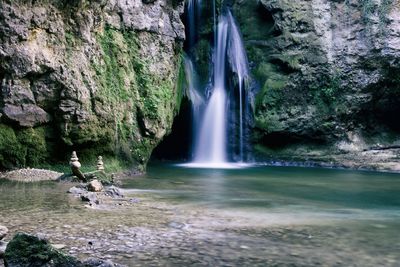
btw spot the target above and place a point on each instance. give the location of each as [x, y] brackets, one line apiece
[193, 14]
[211, 143]
[240, 66]
[195, 97]
[210, 117]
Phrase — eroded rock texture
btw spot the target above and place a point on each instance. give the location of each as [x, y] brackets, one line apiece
[95, 76]
[329, 75]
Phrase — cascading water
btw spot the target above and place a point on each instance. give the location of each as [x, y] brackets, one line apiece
[210, 120]
[211, 143]
[240, 66]
[193, 14]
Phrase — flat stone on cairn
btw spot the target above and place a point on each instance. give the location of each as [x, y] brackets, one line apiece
[75, 166]
[100, 164]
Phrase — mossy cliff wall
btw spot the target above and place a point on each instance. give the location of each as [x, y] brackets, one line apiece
[98, 77]
[329, 78]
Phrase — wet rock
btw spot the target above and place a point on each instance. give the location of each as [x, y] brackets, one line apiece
[28, 250]
[101, 176]
[95, 186]
[90, 197]
[114, 192]
[93, 262]
[26, 115]
[3, 231]
[77, 190]
[3, 246]
[177, 225]
[134, 200]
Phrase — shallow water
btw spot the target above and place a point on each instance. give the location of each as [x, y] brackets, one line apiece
[276, 216]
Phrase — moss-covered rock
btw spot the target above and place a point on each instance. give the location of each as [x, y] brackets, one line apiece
[326, 69]
[96, 77]
[26, 250]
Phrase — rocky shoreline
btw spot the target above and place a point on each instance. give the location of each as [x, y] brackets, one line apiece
[373, 159]
[30, 175]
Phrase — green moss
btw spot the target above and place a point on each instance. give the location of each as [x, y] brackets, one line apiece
[369, 8]
[330, 90]
[181, 84]
[143, 102]
[202, 55]
[33, 143]
[273, 82]
[27, 250]
[12, 153]
[292, 60]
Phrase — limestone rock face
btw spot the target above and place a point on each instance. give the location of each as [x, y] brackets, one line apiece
[328, 73]
[91, 74]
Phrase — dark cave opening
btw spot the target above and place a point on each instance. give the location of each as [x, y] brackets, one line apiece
[177, 145]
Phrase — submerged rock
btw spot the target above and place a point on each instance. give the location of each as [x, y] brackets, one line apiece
[114, 192]
[90, 197]
[93, 262]
[77, 190]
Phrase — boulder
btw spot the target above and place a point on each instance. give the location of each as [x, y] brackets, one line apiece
[29, 250]
[94, 186]
[3, 231]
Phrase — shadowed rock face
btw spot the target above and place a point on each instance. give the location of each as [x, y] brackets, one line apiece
[91, 75]
[329, 75]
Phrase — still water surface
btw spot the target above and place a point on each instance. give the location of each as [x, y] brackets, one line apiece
[258, 216]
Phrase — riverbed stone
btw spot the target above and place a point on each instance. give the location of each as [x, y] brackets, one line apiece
[114, 192]
[94, 262]
[3, 231]
[90, 197]
[95, 186]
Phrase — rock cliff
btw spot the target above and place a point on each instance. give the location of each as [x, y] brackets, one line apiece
[329, 78]
[99, 77]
